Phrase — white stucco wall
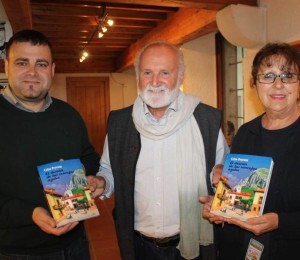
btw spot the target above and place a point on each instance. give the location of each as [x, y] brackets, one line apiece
[282, 20]
[200, 76]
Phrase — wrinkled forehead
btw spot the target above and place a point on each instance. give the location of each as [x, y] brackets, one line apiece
[280, 62]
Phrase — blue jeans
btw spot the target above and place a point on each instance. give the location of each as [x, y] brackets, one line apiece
[78, 250]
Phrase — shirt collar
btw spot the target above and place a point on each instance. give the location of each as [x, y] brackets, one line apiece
[162, 121]
[173, 107]
[11, 98]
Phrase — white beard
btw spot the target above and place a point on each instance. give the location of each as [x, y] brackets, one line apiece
[157, 97]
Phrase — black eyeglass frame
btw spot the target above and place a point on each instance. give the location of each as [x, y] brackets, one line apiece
[283, 76]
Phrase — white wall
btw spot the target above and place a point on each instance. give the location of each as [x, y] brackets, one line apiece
[200, 60]
[282, 20]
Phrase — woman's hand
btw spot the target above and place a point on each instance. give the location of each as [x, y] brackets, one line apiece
[258, 225]
[207, 201]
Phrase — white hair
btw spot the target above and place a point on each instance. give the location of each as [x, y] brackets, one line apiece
[181, 66]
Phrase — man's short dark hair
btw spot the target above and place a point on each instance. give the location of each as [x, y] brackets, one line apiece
[32, 36]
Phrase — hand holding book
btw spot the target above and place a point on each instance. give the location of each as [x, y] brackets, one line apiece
[258, 225]
[67, 192]
[45, 222]
[97, 185]
[243, 186]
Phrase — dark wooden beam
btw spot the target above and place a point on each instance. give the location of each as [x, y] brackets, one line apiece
[206, 4]
[88, 66]
[185, 25]
[18, 13]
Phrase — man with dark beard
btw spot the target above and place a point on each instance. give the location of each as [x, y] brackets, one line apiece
[161, 151]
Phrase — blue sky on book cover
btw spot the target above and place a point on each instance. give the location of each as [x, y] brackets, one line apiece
[238, 166]
[57, 175]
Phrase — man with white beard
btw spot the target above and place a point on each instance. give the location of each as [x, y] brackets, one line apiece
[160, 153]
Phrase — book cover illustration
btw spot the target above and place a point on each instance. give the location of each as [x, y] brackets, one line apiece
[243, 186]
[64, 184]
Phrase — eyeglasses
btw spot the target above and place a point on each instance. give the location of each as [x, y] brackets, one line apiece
[269, 78]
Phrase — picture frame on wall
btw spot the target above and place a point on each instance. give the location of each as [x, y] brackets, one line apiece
[5, 34]
[3, 84]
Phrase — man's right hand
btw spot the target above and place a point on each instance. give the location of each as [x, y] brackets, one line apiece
[97, 185]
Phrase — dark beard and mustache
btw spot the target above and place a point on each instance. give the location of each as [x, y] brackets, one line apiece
[158, 97]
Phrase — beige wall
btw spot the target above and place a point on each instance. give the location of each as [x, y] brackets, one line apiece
[200, 76]
[282, 19]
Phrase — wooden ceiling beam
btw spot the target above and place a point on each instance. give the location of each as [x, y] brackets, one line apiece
[79, 11]
[206, 4]
[185, 25]
[99, 55]
[71, 23]
[55, 29]
[18, 13]
[88, 66]
[73, 20]
[109, 5]
[96, 41]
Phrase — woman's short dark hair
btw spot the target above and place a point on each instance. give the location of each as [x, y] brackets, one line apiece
[32, 36]
[266, 53]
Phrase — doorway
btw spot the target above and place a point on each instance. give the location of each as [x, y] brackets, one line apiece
[90, 97]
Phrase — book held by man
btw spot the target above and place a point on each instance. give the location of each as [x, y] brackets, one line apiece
[65, 187]
[243, 186]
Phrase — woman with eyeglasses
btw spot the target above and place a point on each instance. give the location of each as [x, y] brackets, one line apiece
[276, 133]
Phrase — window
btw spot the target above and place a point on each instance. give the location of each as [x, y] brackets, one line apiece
[230, 87]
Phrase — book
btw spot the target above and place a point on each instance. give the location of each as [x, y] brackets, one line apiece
[65, 188]
[243, 186]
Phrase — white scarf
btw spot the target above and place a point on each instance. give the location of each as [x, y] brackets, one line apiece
[191, 169]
